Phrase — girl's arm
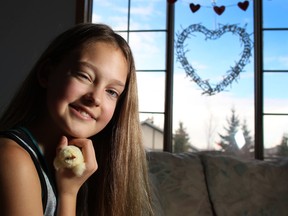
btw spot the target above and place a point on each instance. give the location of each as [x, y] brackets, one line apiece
[68, 184]
[20, 188]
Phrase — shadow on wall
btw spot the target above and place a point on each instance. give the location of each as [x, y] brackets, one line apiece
[26, 29]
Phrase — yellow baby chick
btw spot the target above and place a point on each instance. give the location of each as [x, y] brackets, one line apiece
[72, 158]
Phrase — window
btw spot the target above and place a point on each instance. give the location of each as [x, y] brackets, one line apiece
[217, 115]
[275, 78]
[224, 120]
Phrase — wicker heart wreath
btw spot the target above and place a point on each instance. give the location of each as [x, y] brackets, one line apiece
[231, 74]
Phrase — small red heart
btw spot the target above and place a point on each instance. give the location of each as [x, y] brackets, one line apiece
[194, 7]
[171, 1]
[219, 10]
[243, 5]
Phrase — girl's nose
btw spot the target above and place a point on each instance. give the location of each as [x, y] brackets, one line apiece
[91, 99]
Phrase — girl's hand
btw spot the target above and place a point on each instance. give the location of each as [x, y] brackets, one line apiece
[67, 182]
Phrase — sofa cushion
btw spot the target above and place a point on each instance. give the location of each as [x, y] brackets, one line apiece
[247, 187]
[179, 185]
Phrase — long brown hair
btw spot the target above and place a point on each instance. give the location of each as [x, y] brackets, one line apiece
[120, 186]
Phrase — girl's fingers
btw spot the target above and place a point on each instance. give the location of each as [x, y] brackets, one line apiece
[62, 143]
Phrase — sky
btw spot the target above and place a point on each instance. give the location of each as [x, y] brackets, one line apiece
[204, 116]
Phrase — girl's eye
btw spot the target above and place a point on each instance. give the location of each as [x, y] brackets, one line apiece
[113, 93]
[84, 76]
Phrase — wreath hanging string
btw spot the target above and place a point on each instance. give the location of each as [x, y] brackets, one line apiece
[217, 9]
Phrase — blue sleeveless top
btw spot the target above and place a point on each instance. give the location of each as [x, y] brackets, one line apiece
[24, 138]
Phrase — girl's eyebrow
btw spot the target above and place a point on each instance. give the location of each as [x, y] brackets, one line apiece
[118, 82]
[86, 64]
[92, 67]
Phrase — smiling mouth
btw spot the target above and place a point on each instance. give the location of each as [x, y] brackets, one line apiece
[82, 112]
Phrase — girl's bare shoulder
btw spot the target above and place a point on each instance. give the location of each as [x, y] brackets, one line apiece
[19, 181]
[11, 152]
[14, 158]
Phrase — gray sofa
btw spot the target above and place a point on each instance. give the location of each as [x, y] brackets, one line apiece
[200, 184]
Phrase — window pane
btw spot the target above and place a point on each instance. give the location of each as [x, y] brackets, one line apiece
[113, 13]
[275, 136]
[152, 128]
[275, 14]
[275, 50]
[151, 87]
[148, 49]
[224, 120]
[275, 93]
[146, 15]
[275, 83]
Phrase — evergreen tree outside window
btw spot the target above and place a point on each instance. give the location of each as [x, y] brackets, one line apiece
[283, 147]
[237, 139]
[181, 140]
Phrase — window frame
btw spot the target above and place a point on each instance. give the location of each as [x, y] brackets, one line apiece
[258, 82]
[83, 11]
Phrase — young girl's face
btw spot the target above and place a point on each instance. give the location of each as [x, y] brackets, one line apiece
[83, 90]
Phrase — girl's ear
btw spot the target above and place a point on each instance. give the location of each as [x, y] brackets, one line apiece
[43, 73]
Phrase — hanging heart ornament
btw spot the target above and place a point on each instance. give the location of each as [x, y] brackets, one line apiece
[243, 5]
[219, 10]
[232, 74]
[194, 7]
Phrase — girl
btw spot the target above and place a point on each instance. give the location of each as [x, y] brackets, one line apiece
[82, 91]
